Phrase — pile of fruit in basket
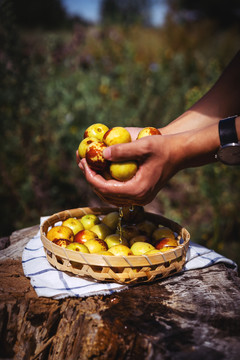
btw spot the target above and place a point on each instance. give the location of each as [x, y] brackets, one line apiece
[107, 235]
[97, 137]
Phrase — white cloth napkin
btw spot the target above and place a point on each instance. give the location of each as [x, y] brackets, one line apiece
[50, 282]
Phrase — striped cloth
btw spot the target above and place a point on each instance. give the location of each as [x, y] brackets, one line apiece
[50, 282]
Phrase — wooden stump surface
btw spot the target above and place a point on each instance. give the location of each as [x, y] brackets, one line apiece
[195, 315]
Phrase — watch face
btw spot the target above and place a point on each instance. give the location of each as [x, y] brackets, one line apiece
[229, 154]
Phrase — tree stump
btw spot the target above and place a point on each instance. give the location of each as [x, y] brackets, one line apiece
[194, 315]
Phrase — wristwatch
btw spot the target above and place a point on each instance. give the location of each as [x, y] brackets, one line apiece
[229, 151]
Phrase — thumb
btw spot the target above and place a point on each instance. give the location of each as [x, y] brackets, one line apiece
[128, 151]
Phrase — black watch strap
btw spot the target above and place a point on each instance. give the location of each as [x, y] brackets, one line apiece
[227, 130]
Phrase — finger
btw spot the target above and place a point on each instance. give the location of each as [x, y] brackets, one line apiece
[134, 150]
[78, 159]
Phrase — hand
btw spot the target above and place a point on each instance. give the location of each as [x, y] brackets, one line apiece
[155, 169]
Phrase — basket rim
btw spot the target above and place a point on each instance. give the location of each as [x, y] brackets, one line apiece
[103, 260]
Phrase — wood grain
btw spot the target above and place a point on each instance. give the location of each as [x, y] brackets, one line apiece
[194, 315]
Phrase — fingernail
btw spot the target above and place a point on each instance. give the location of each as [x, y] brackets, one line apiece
[107, 153]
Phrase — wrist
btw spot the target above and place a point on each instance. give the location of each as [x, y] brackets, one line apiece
[195, 147]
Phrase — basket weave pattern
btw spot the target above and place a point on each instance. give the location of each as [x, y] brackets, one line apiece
[120, 269]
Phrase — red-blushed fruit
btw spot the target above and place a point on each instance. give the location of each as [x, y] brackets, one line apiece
[73, 224]
[82, 148]
[165, 242]
[84, 235]
[167, 248]
[148, 131]
[75, 246]
[96, 245]
[116, 135]
[94, 156]
[60, 232]
[62, 242]
[96, 130]
[124, 170]
[162, 232]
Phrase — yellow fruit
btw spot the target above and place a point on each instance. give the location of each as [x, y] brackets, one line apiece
[153, 251]
[75, 246]
[60, 232]
[114, 239]
[96, 130]
[121, 250]
[140, 248]
[162, 232]
[123, 171]
[105, 252]
[96, 245]
[101, 230]
[83, 146]
[111, 220]
[73, 224]
[148, 131]
[89, 220]
[116, 135]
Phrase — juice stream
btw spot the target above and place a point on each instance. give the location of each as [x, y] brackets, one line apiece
[120, 216]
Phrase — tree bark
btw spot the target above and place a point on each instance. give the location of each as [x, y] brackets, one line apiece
[194, 315]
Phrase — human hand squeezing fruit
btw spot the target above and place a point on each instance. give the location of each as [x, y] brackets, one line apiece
[97, 138]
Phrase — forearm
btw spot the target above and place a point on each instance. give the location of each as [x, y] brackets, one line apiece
[198, 147]
[220, 101]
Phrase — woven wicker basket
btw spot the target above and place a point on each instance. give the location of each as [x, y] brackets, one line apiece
[120, 269]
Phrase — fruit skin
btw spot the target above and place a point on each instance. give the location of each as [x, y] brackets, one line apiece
[133, 214]
[96, 130]
[96, 245]
[111, 220]
[101, 230]
[139, 238]
[140, 248]
[146, 227]
[83, 146]
[84, 235]
[121, 250]
[105, 252]
[116, 135]
[75, 246]
[94, 156]
[167, 248]
[166, 242]
[89, 220]
[60, 232]
[114, 239]
[73, 224]
[153, 251]
[129, 231]
[123, 171]
[148, 131]
[62, 242]
[162, 232]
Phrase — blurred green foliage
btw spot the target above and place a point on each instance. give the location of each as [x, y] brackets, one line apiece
[55, 84]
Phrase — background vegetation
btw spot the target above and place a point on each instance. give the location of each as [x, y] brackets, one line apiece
[59, 77]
